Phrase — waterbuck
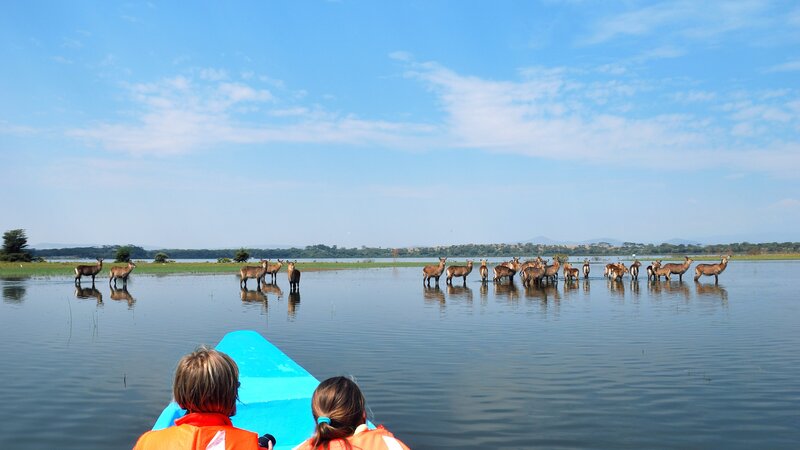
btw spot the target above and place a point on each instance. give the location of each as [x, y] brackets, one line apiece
[459, 271]
[662, 271]
[551, 271]
[585, 268]
[120, 272]
[635, 269]
[679, 269]
[570, 273]
[617, 271]
[256, 272]
[294, 278]
[484, 271]
[88, 271]
[711, 269]
[429, 272]
[532, 275]
[651, 270]
[502, 271]
[273, 269]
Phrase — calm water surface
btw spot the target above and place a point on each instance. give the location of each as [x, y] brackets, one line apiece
[592, 364]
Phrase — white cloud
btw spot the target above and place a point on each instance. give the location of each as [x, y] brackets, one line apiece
[180, 115]
[789, 66]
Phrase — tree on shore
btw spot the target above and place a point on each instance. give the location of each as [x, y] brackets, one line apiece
[14, 246]
[123, 254]
[241, 256]
[161, 257]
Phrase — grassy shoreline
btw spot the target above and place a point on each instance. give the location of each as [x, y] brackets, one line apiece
[66, 269]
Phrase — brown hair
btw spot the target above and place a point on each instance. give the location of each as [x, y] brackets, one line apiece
[340, 400]
[207, 380]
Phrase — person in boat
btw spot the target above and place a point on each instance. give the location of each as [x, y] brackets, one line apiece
[206, 385]
[339, 411]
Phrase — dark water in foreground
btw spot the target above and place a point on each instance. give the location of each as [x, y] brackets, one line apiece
[589, 365]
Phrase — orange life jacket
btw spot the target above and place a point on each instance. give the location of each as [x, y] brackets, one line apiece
[377, 439]
[199, 431]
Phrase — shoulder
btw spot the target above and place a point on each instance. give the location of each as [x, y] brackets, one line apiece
[379, 438]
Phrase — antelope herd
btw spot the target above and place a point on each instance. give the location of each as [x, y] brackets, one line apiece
[538, 271]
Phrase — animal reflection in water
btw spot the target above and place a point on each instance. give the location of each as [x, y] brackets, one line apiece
[460, 292]
[249, 296]
[121, 295]
[433, 294]
[509, 291]
[544, 292]
[90, 292]
[293, 304]
[711, 290]
[616, 286]
[271, 288]
[670, 288]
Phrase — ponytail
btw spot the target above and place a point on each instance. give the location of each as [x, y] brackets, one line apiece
[339, 408]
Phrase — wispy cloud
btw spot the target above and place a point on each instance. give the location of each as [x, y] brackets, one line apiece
[789, 66]
[682, 19]
[180, 114]
[550, 114]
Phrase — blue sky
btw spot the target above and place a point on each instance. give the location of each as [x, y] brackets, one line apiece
[227, 124]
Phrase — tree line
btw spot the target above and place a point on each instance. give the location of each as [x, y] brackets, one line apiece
[321, 251]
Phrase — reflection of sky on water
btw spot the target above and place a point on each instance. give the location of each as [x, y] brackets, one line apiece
[592, 363]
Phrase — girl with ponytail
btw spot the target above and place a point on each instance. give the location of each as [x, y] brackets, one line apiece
[340, 415]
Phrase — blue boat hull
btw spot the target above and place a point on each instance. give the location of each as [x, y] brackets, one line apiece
[275, 392]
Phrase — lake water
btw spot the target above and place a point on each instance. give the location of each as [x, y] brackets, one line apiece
[592, 364]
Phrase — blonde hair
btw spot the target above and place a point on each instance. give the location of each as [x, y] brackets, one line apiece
[207, 380]
[340, 400]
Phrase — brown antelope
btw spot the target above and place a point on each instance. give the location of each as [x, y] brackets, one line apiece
[484, 271]
[662, 271]
[585, 268]
[551, 271]
[256, 272]
[502, 271]
[429, 272]
[514, 264]
[273, 269]
[458, 271]
[120, 272]
[294, 277]
[651, 270]
[679, 269]
[635, 269]
[711, 269]
[88, 271]
[570, 273]
[617, 271]
[532, 275]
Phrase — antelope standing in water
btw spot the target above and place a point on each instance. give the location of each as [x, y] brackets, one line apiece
[429, 272]
[458, 271]
[679, 269]
[616, 271]
[272, 270]
[501, 271]
[635, 269]
[120, 272]
[570, 273]
[585, 268]
[551, 271]
[662, 271]
[711, 269]
[484, 271]
[88, 271]
[256, 272]
[294, 278]
[532, 275]
[651, 270]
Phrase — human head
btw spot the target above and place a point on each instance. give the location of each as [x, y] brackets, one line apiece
[340, 400]
[207, 381]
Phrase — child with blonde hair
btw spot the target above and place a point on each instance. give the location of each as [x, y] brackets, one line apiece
[206, 385]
